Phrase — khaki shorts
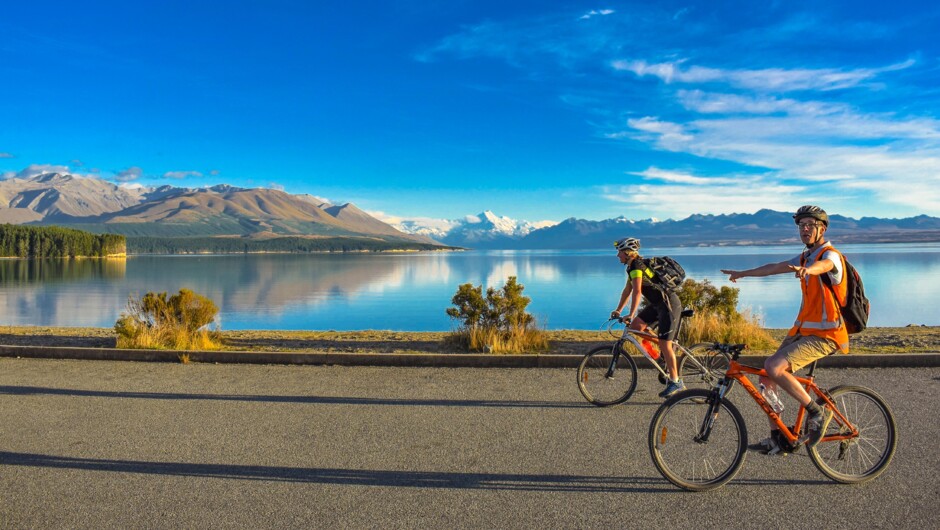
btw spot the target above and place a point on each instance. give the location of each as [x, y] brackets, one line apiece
[801, 350]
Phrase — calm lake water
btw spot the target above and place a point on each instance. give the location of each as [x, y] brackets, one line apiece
[569, 289]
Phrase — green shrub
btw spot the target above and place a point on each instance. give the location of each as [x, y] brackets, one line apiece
[179, 322]
[495, 323]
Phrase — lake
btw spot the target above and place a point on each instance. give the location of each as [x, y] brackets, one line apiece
[410, 291]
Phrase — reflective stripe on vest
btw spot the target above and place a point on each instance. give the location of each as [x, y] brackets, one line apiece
[817, 292]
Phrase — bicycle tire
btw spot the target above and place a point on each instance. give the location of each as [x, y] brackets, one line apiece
[690, 464]
[714, 362]
[596, 387]
[863, 458]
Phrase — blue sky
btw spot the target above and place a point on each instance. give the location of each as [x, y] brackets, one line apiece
[535, 110]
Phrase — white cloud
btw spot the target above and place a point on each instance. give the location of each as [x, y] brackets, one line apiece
[765, 79]
[663, 132]
[176, 175]
[40, 169]
[717, 103]
[442, 225]
[678, 177]
[597, 12]
[680, 201]
[129, 174]
[6, 155]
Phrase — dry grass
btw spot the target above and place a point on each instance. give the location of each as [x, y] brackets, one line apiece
[519, 339]
[169, 338]
[745, 328]
[179, 322]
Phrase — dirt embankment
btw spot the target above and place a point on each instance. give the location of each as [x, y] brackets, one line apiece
[911, 339]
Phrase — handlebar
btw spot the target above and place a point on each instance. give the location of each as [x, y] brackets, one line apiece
[734, 350]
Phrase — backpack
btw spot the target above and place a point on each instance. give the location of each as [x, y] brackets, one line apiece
[667, 273]
[857, 306]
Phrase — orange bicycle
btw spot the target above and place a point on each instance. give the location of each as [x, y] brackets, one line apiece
[698, 439]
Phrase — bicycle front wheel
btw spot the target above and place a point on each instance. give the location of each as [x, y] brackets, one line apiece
[854, 459]
[677, 446]
[704, 366]
[606, 379]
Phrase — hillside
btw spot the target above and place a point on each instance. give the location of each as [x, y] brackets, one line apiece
[99, 206]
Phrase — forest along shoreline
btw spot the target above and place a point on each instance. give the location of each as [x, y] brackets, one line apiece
[886, 340]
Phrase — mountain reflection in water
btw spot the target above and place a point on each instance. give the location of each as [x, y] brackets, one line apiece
[410, 291]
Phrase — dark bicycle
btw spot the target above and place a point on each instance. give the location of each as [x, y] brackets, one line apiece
[607, 375]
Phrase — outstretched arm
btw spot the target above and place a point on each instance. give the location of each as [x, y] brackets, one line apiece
[820, 267]
[764, 270]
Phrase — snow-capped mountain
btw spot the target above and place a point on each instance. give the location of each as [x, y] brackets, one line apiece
[484, 230]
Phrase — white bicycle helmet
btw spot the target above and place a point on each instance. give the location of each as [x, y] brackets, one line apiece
[628, 244]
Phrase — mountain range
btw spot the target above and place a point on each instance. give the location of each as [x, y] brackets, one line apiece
[99, 206]
[96, 205]
[764, 227]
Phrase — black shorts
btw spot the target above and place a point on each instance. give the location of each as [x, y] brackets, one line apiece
[665, 317]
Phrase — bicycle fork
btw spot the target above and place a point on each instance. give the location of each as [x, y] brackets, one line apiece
[613, 363]
[714, 405]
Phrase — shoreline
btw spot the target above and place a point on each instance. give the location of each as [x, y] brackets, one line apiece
[886, 340]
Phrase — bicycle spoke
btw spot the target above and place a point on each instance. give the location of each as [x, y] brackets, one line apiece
[865, 455]
[692, 464]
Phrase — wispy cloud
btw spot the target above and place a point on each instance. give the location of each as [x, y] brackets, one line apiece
[597, 12]
[129, 175]
[178, 175]
[765, 79]
[6, 155]
[412, 224]
[679, 177]
[533, 44]
[723, 103]
[33, 170]
[686, 194]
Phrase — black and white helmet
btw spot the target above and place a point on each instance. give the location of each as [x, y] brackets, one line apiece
[628, 244]
[811, 211]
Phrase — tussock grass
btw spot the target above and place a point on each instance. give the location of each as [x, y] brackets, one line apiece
[496, 322]
[489, 339]
[744, 327]
[179, 322]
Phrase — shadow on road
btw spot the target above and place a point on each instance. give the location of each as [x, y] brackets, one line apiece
[321, 400]
[350, 477]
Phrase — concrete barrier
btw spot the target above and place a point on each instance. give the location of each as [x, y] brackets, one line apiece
[481, 360]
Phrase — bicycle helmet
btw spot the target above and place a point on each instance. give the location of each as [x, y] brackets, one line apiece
[811, 211]
[628, 244]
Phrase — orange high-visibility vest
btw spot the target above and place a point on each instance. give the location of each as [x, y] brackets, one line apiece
[819, 313]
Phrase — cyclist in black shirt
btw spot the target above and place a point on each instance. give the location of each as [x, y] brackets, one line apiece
[662, 307]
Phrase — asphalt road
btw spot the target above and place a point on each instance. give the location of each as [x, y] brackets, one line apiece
[93, 444]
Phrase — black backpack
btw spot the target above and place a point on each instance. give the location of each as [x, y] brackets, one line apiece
[667, 273]
[857, 306]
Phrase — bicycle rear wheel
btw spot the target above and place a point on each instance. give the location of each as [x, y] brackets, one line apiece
[603, 384]
[678, 451]
[864, 457]
[705, 367]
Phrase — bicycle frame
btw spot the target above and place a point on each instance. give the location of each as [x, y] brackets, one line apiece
[739, 372]
[629, 335]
